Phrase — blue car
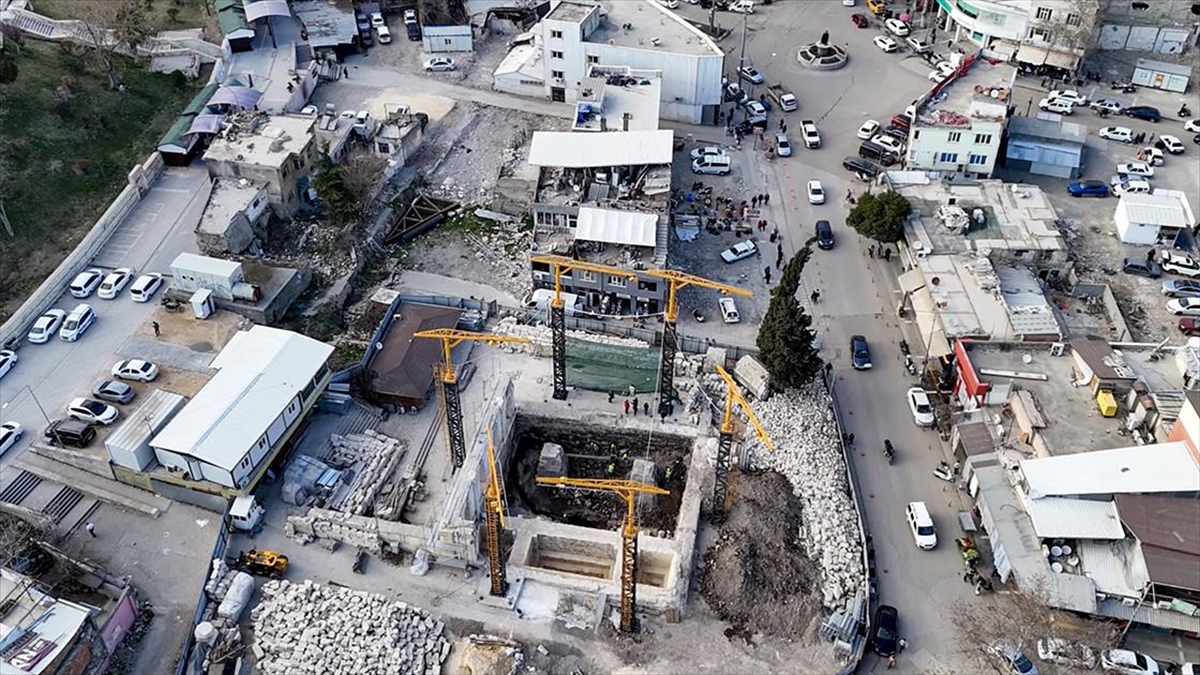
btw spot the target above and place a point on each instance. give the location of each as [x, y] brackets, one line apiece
[1088, 188]
[1143, 112]
[860, 353]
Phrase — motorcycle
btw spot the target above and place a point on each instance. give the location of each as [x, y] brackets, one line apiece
[910, 365]
[904, 347]
[1126, 87]
[698, 315]
[888, 451]
[943, 471]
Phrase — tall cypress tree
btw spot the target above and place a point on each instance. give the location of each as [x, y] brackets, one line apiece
[785, 339]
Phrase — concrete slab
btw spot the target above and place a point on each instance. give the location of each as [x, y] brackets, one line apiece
[163, 209]
[167, 354]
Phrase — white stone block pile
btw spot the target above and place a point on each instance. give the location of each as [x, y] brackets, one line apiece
[219, 579]
[374, 456]
[323, 524]
[310, 628]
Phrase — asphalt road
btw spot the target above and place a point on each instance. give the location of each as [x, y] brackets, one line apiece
[857, 297]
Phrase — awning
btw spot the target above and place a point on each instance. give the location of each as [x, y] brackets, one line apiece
[576, 150]
[930, 324]
[1034, 56]
[629, 228]
[206, 124]
[1004, 49]
[1064, 60]
[261, 8]
[242, 97]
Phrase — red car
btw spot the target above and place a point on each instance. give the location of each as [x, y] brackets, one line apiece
[1189, 326]
[859, 20]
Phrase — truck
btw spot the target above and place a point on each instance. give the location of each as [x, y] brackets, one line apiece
[812, 138]
[786, 99]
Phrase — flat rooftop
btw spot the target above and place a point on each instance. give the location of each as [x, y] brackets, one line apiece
[572, 11]
[228, 197]
[620, 99]
[1018, 217]
[262, 140]
[327, 26]
[982, 93]
[652, 27]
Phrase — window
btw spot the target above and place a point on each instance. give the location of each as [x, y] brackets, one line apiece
[1139, 6]
[1040, 34]
[916, 134]
[556, 34]
[592, 58]
[556, 74]
[983, 139]
[585, 275]
[1044, 13]
[979, 160]
[948, 157]
[650, 286]
[619, 282]
[954, 137]
[556, 55]
[1073, 20]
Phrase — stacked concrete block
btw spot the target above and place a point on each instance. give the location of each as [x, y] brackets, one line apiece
[310, 628]
[374, 456]
[540, 338]
[219, 579]
[323, 524]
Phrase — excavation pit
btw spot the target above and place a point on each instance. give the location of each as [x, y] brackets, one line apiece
[572, 556]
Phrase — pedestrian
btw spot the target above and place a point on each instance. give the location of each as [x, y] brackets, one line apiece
[779, 263]
[815, 297]
[635, 406]
[849, 195]
[754, 202]
[784, 129]
[663, 409]
[632, 389]
[646, 408]
[887, 254]
[850, 439]
[626, 406]
[781, 124]
[91, 529]
[779, 249]
[871, 251]
[767, 198]
[767, 274]
[611, 394]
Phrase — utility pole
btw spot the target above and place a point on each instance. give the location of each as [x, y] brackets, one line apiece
[742, 58]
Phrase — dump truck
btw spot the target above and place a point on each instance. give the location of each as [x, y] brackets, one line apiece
[786, 99]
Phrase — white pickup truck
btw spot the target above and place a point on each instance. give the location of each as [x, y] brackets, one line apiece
[812, 138]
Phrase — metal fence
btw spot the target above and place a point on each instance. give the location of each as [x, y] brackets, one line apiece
[218, 553]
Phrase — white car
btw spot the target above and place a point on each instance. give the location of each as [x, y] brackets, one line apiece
[1170, 143]
[86, 282]
[922, 409]
[10, 433]
[1112, 106]
[1056, 105]
[742, 7]
[1153, 156]
[1122, 134]
[114, 283]
[145, 287]
[410, 16]
[936, 76]
[708, 150]
[1122, 186]
[729, 313]
[739, 251]
[8, 359]
[816, 192]
[135, 369]
[1184, 306]
[921, 524]
[1068, 95]
[1192, 126]
[439, 64]
[812, 137]
[897, 27]
[1128, 662]
[1180, 263]
[919, 45]
[46, 326]
[377, 20]
[783, 145]
[756, 107]
[1135, 169]
[868, 130]
[888, 143]
[885, 43]
[1066, 653]
[92, 411]
[669, 4]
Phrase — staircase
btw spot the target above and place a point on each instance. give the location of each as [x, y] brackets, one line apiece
[662, 240]
[21, 487]
[63, 502]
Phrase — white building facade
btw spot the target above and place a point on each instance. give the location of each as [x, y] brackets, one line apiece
[960, 123]
[1035, 33]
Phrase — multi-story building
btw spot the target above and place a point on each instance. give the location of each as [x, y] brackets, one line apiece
[1053, 33]
[640, 34]
[275, 151]
[960, 123]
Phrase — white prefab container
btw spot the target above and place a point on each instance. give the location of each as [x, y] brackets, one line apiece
[202, 303]
[193, 272]
[129, 444]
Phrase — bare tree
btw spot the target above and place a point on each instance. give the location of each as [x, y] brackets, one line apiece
[1066, 24]
[363, 172]
[112, 28]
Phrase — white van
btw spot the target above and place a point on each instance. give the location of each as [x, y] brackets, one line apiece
[712, 164]
[77, 323]
[1122, 134]
[729, 313]
[383, 35]
[921, 525]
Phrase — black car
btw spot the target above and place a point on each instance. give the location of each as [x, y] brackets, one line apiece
[887, 630]
[1141, 268]
[860, 353]
[1143, 112]
[824, 235]
[898, 133]
[114, 391]
[862, 167]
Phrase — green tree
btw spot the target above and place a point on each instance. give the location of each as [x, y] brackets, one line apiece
[8, 68]
[330, 183]
[880, 217]
[785, 339]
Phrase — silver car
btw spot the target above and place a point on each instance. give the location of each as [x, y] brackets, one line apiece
[1181, 288]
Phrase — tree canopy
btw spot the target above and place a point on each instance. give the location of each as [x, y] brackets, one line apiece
[880, 217]
[329, 180]
[785, 339]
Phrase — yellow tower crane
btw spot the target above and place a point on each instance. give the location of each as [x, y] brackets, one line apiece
[627, 490]
[450, 339]
[725, 444]
[494, 517]
[676, 281]
[558, 320]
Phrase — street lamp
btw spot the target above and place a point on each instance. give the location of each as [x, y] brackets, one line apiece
[35, 401]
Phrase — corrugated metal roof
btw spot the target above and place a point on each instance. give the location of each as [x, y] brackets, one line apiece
[1116, 568]
[1161, 467]
[1063, 518]
[578, 150]
[156, 410]
[1045, 152]
[1153, 210]
[1149, 614]
[261, 371]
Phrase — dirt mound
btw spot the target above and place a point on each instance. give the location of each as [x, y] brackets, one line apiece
[756, 575]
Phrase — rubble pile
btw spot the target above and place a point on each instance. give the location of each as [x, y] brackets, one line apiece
[310, 628]
[373, 456]
[542, 345]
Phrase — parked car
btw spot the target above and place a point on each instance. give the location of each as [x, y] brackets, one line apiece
[1068, 95]
[1189, 326]
[1135, 169]
[859, 20]
[1056, 105]
[86, 282]
[69, 432]
[114, 283]
[919, 405]
[888, 143]
[812, 137]
[860, 352]
[1178, 262]
[717, 165]
[145, 287]
[384, 34]
[697, 153]
[8, 359]
[77, 322]
[919, 45]
[751, 74]
[1141, 267]
[439, 64]
[114, 391]
[1128, 662]
[1192, 126]
[1152, 156]
[868, 130]
[1066, 653]
[921, 524]
[729, 313]
[1143, 112]
[1184, 306]
[1170, 144]
[1088, 188]
[1181, 288]
[92, 411]
[885, 43]
[1012, 659]
[898, 133]
[1122, 134]
[742, 7]
[887, 631]
[135, 369]
[824, 234]
[1111, 105]
[377, 19]
[816, 192]
[10, 433]
[897, 27]
[46, 326]
[735, 93]
[410, 16]
[669, 4]
[755, 107]
[1137, 186]
[783, 146]
[739, 251]
[864, 168]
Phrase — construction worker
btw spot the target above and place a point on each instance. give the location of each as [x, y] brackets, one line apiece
[610, 468]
